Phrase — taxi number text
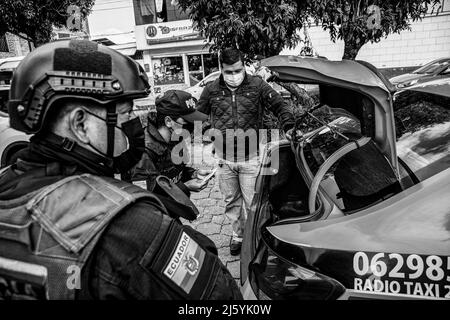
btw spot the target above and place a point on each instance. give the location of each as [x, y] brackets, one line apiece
[410, 271]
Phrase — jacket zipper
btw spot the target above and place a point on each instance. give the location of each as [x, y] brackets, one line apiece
[234, 109]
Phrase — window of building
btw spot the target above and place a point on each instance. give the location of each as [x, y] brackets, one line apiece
[195, 64]
[168, 70]
[174, 12]
[157, 11]
[63, 35]
[4, 44]
[211, 63]
[201, 65]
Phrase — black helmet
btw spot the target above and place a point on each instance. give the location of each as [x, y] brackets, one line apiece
[77, 69]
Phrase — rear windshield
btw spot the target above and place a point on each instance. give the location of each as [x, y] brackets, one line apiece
[423, 134]
[359, 179]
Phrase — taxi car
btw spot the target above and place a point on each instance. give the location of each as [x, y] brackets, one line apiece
[357, 205]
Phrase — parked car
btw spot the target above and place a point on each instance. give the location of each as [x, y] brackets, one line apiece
[197, 89]
[350, 209]
[7, 67]
[436, 69]
[11, 141]
[10, 64]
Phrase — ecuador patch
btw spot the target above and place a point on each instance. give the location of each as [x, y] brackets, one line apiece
[185, 263]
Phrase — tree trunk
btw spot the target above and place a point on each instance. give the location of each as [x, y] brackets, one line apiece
[351, 50]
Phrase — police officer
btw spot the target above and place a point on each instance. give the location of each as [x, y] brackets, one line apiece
[176, 115]
[76, 232]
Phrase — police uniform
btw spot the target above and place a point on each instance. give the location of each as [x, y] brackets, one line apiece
[157, 159]
[68, 230]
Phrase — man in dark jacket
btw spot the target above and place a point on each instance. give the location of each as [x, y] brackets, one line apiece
[175, 111]
[68, 229]
[236, 103]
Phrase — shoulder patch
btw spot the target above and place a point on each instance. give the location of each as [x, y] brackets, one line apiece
[181, 262]
[185, 263]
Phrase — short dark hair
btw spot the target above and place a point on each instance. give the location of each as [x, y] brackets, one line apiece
[62, 107]
[161, 119]
[230, 56]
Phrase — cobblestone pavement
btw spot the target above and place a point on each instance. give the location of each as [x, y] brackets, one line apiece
[213, 223]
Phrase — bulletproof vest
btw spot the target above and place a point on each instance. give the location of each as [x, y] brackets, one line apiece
[47, 236]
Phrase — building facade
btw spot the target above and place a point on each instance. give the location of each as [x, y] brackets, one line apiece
[13, 46]
[175, 56]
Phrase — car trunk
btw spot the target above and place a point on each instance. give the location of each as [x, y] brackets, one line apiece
[349, 86]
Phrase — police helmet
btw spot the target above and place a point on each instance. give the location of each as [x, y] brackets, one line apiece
[77, 69]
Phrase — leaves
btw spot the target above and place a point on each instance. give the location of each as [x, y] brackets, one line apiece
[267, 26]
[255, 26]
[34, 19]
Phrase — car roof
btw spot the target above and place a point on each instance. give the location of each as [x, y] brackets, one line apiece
[437, 60]
[313, 70]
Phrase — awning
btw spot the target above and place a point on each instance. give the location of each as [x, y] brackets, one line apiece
[127, 51]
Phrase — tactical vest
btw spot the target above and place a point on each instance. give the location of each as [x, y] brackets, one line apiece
[47, 236]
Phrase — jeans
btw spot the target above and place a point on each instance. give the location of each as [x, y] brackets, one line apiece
[237, 184]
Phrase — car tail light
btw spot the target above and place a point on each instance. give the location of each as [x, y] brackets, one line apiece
[274, 277]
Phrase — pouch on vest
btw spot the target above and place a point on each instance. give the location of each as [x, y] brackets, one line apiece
[182, 206]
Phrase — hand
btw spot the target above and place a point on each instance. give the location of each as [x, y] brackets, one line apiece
[196, 185]
[202, 173]
[289, 134]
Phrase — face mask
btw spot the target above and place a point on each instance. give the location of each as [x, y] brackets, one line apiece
[135, 136]
[234, 80]
[136, 145]
[177, 128]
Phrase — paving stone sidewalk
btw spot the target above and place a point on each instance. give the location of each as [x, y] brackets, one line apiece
[213, 223]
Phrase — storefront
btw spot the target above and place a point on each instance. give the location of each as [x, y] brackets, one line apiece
[174, 55]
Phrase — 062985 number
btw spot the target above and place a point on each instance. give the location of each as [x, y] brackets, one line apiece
[379, 265]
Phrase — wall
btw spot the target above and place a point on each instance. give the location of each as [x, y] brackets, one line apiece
[428, 39]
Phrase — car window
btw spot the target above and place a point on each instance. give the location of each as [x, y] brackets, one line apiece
[359, 179]
[432, 68]
[423, 136]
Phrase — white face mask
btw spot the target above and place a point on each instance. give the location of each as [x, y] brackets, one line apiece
[234, 80]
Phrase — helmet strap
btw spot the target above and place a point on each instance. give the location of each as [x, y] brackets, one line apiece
[111, 121]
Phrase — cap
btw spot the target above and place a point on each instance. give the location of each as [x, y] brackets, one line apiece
[179, 103]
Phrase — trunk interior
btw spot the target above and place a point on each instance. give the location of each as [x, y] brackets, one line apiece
[286, 191]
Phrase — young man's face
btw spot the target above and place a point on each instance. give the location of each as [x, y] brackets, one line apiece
[176, 125]
[232, 69]
[233, 74]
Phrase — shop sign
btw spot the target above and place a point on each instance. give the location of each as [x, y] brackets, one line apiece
[158, 32]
